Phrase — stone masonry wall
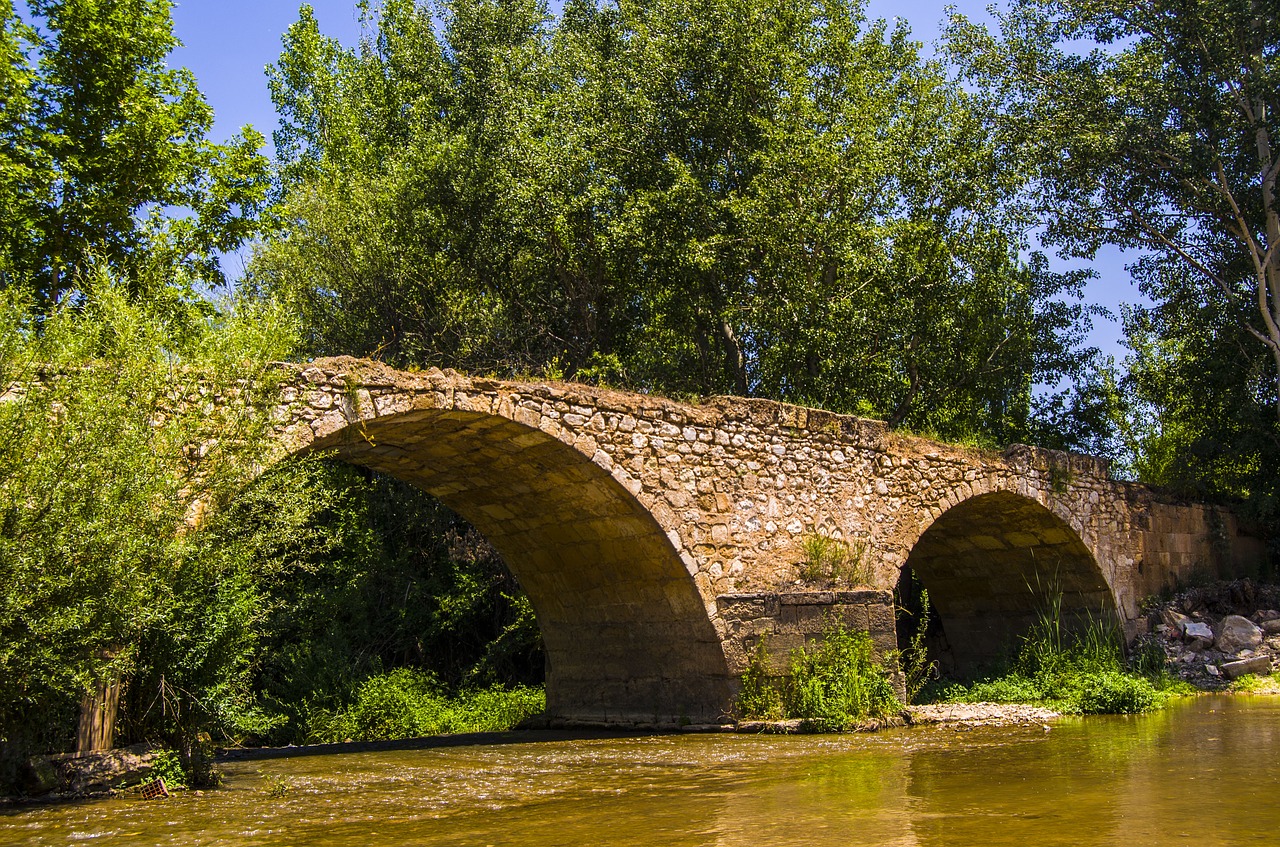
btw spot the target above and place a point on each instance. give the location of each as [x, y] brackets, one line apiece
[722, 496]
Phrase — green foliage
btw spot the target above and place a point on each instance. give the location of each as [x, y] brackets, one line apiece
[827, 558]
[357, 574]
[1162, 137]
[168, 766]
[831, 685]
[278, 787]
[1115, 693]
[405, 703]
[839, 683]
[762, 197]
[917, 668]
[760, 697]
[1147, 657]
[1079, 671]
[104, 155]
[112, 446]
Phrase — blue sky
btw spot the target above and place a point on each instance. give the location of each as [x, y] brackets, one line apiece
[229, 42]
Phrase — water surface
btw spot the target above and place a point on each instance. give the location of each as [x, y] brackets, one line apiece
[1202, 772]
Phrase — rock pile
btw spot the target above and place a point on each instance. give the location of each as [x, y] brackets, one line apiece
[969, 715]
[1213, 634]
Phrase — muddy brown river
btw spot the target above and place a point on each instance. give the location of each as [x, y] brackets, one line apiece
[1204, 772]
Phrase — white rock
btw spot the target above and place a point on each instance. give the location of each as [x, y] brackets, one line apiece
[1199, 636]
[1238, 633]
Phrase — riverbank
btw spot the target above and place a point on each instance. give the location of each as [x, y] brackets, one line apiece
[1222, 637]
[1211, 636]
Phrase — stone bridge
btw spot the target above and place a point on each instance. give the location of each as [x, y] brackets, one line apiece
[659, 541]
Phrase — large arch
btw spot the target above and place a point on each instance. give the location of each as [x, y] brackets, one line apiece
[992, 563]
[627, 634]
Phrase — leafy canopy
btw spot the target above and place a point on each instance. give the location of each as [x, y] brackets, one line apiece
[774, 198]
[104, 151]
[1153, 125]
[122, 422]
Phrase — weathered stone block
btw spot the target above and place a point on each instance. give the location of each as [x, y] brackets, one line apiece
[1254, 664]
[748, 606]
[807, 598]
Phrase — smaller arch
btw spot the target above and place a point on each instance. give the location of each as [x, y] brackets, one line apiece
[993, 564]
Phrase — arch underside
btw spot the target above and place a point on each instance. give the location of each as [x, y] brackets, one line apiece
[626, 632]
[992, 566]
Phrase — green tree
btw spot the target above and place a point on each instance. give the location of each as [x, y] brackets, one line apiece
[122, 421]
[104, 151]
[400, 167]
[763, 197]
[1159, 134]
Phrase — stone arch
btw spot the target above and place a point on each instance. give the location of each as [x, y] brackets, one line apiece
[627, 634]
[992, 562]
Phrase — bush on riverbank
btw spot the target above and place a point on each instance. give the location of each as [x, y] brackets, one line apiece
[1082, 672]
[831, 685]
[407, 703]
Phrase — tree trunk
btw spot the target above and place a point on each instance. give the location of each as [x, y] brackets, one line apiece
[98, 710]
[98, 717]
[734, 361]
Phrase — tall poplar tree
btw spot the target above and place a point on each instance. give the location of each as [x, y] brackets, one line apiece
[1155, 125]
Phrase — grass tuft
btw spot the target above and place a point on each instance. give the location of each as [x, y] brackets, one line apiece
[834, 559]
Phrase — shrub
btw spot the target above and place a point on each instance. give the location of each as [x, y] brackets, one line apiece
[1114, 693]
[168, 766]
[407, 703]
[831, 685]
[760, 696]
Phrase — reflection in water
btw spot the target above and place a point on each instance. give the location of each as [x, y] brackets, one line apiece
[1203, 770]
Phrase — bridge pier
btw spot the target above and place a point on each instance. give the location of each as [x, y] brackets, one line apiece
[789, 620]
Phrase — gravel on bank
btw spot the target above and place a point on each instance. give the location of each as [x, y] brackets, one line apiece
[981, 714]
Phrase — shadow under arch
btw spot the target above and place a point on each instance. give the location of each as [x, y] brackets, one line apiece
[626, 632]
[991, 565]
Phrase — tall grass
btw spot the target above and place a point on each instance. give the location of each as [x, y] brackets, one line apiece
[832, 685]
[1077, 670]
